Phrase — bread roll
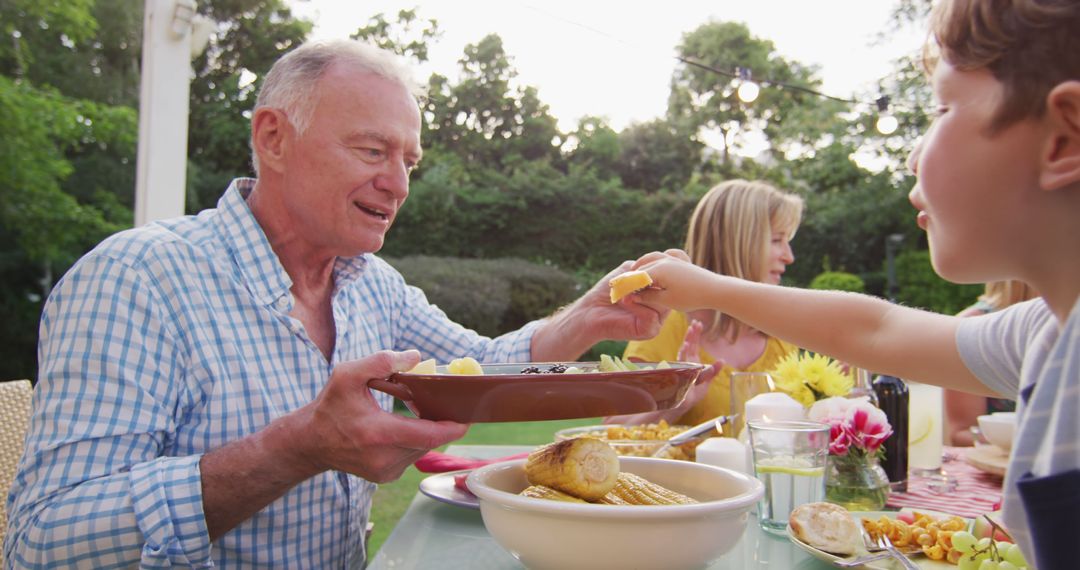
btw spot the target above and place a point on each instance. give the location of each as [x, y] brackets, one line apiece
[825, 526]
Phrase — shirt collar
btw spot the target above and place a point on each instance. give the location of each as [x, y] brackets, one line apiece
[260, 267]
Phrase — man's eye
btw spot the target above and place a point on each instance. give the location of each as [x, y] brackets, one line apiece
[371, 152]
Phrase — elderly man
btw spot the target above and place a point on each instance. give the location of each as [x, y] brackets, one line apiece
[202, 397]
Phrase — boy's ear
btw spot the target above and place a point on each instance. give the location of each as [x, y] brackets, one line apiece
[269, 129]
[1061, 158]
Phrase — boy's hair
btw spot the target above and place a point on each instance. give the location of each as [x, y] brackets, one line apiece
[730, 231]
[1030, 46]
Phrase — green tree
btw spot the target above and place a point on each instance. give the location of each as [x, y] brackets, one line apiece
[704, 91]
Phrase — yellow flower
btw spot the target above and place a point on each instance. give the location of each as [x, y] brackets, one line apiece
[806, 377]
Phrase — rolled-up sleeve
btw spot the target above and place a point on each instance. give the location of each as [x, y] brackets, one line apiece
[96, 487]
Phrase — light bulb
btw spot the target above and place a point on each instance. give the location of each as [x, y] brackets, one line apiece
[887, 124]
[748, 91]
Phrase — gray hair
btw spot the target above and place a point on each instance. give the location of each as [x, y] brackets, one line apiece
[290, 85]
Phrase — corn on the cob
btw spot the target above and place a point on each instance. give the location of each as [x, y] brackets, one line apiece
[542, 492]
[584, 467]
[635, 490]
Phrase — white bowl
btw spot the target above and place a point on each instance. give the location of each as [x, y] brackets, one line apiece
[999, 428]
[550, 534]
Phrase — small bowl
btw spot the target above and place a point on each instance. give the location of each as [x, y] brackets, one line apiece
[637, 447]
[551, 534]
[999, 428]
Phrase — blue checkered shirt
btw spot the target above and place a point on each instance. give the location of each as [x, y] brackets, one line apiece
[171, 340]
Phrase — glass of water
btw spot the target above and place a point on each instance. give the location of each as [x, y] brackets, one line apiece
[789, 458]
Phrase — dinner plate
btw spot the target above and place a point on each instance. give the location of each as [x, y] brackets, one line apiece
[883, 564]
[441, 487]
[988, 458]
[505, 394]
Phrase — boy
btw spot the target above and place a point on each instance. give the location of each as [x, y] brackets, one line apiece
[998, 193]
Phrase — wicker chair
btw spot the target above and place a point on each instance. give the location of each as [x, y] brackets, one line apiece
[14, 420]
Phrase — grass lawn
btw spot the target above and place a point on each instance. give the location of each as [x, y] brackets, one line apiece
[392, 499]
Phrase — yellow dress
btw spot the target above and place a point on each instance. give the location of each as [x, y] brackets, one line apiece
[717, 401]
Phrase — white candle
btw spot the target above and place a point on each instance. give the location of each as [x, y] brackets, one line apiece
[723, 452]
[772, 407]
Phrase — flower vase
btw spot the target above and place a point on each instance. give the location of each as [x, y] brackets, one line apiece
[857, 483]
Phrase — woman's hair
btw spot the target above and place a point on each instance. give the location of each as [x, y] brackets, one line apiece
[292, 83]
[1030, 46]
[1001, 294]
[730, 233]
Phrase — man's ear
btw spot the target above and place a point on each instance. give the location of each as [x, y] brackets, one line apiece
[269, 130]
[1061, 158]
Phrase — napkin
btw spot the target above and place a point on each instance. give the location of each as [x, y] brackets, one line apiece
[439, 462]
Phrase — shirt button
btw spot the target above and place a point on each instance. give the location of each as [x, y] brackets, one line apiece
[282, 304]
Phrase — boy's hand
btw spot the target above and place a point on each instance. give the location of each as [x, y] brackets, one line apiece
[677, 283]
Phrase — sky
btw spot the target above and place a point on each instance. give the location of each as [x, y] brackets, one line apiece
[615, 58]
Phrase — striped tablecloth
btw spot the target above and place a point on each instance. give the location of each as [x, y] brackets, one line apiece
[977, 492]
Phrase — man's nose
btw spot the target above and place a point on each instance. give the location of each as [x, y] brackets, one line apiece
[394, 179]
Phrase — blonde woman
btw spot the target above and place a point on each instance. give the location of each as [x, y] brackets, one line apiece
[742, 229]
[962, 409]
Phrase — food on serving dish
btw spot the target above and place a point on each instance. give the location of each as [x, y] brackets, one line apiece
[627, 283]
[640, 440]
[587, 470]
[825, 526]
[633, 489]
[423, 367]
[930, 534]
[552, 369]
[545, 492]
[583, 467]
[465, 366]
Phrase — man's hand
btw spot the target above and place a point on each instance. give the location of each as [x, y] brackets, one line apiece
[344, 429]
[593, 318]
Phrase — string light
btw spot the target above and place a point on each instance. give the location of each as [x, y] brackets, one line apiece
[886, 123]
[748, 90]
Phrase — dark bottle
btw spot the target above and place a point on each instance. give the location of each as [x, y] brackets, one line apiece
[892, 398]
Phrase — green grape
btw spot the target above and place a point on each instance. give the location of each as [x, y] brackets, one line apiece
[968, 563]
[983, 543]
[1006, 565]
[964, 541]
[1013, 554]
[1002, 546]
[989, 565]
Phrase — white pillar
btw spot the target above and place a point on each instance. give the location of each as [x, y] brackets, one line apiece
[160, 172]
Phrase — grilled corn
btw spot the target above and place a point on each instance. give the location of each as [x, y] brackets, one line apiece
[542, 492]
[632, 489]
[584, 467]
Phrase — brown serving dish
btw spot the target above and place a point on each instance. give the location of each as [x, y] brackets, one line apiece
[504, 394]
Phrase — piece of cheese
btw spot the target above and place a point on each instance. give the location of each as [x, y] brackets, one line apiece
[627, 283]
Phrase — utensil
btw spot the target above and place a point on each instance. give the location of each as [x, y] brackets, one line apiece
[862, 560]
[884, 542]
[691, 433]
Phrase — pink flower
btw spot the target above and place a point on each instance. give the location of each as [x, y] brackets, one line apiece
[853, 423]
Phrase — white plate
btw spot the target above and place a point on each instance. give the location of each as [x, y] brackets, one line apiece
[884, 564]
[989, 458]
[441, 488]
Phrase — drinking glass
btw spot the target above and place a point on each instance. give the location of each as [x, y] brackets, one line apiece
[926, 418]
[925, 433]
[789, 458]
[744, 385]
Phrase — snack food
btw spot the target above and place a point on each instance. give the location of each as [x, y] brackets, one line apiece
[931, 535]
[627, 283]
[583, 467]
[825, 526]
[587, 470]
